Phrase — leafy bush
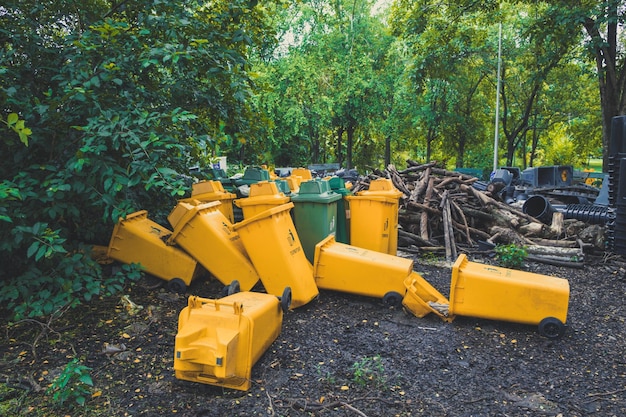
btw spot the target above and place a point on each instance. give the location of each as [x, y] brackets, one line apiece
[101, 118]
[511, 256]
[74, 383]
[65, 281]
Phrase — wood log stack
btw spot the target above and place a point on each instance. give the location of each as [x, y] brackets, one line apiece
[441, 211]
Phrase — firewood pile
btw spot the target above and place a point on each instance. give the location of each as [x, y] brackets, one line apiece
[440, 211]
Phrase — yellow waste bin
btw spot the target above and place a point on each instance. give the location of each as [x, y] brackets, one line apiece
[207, 235]
[218, 341]
[293, 183]
[355, 270]
[303, 173]
[263, 195]
[383, 187]
[137, 239]
[208, 191]
[372, 219]
[491, 292]
[271, 240]
[421, 298]
[297, 177]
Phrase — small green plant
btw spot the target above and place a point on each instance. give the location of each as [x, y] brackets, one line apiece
[325, 376]
[74, 383]
[429, 257]
[369, 370]
[511, 256]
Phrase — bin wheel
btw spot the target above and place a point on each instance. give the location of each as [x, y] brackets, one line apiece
[285, 300]
[392, 299]
[551, 328]
[177, 285]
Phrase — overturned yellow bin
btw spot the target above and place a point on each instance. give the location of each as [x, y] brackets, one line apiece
[219, 341]
[263, 195]
[209, 191]
[421, 298]
[355, 270]
[271, 240]
[491, 292]
[137, 239]
[383, 187]
[207, 235]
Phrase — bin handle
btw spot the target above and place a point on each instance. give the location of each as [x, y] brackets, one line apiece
[197, 302]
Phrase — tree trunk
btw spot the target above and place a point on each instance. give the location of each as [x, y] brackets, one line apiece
[429, 139]
[350, 131]
[340, 131]
[387, 150]
[610, 76]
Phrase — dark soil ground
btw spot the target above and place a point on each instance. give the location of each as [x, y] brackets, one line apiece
[341, 355]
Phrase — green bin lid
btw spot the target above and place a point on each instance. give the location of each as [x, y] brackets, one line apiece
[256, 174]
[283, 186]
[338, 185]
[315, 191]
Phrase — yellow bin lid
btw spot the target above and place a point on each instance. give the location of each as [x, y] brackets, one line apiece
[382, 186]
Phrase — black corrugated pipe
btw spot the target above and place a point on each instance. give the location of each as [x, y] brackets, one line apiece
[588, 213]
[538, 207]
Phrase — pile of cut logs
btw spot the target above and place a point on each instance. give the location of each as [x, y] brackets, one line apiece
[440, 211]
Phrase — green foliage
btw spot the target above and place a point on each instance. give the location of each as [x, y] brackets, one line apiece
[326, 376]
[113, 112]
[14, 123]
[369, 371]
[56, 282]
[511, 256]
[74, 384]
[562, 152]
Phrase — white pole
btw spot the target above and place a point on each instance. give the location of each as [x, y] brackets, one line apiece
[495, 139]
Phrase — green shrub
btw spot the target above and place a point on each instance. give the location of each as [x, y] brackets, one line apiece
[511, 256]
[61, 280]
[74, 383]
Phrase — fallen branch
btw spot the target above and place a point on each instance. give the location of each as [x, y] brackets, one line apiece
[486, 200]
[447, 228]
[415, 167]
[351, 408]
[416, 238]
[45, 328]
[602, 394]
[296, 404]
[397, 180]
[557, 243]
[554, 251]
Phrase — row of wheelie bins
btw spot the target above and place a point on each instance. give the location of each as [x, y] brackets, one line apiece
[367, 219]
[217, 341]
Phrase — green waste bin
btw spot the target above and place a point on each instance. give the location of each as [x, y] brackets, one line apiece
[252, 175]
[375, 208]
[272, 242]
[283, 186]
[315, 214]
[338, 185]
